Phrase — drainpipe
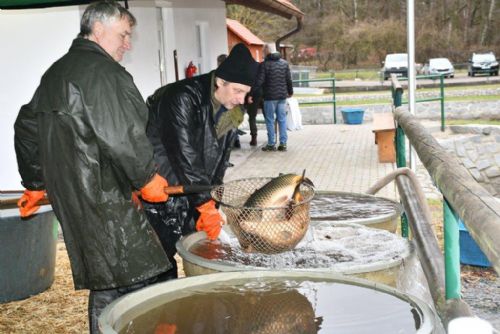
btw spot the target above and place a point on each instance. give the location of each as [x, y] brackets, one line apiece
[290, 33]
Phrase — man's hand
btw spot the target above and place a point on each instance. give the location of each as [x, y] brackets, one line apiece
[154, 190]
[28, 202]
[210, 220]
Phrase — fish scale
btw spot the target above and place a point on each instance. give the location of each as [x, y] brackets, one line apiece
[277, 192]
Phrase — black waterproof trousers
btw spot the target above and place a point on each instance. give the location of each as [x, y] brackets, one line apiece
[99, 299]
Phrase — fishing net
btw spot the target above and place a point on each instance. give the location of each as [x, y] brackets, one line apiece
[266, 230]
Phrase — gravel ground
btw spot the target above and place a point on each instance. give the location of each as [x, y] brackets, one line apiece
[481, 290]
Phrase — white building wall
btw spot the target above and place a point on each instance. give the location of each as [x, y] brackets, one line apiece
[184, 40]
[33, 39]
[143, 61]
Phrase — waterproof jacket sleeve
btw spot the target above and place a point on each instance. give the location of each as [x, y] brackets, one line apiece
[26, 146]
[118, 120]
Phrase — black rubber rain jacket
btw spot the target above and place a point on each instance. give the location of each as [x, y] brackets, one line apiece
[181, 128]
[82, 138]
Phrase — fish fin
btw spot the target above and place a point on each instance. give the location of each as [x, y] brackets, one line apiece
[306, 180]
[289, 210]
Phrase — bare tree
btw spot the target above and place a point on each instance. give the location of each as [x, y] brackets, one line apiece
[486, 26]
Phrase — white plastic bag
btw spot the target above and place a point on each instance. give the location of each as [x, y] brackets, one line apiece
[293, 117]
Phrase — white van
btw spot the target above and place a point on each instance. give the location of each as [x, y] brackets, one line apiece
[396, 63]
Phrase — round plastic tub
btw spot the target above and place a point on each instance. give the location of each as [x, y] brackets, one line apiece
[27, 252]
[268, 302]
[342, 248]
[364, 209]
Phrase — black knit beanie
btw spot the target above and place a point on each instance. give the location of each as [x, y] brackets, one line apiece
[239, 66]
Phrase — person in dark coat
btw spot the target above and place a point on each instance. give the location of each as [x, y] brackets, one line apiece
[254, 101]
[192, 126]
[81, 139]
[276, 81]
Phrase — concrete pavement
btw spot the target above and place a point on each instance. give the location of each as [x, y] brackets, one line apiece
[336, 157]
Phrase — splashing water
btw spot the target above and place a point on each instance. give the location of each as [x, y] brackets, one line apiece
[328, 245]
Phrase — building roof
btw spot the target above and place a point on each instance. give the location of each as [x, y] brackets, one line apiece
[283, 8]
[242, 32]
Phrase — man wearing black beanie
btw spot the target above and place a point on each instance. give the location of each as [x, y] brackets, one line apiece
[192, 126]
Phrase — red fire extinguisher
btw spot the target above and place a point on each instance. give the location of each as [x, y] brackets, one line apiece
[191, 70]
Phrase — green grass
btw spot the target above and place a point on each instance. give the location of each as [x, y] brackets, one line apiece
[382, 100]
[472, 121]
[462, 98]
[367, 74]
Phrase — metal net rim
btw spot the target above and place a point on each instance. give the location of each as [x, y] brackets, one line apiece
[214, 194]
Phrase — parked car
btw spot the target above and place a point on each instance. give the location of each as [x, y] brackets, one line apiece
[482, 63]
[395, 63]
[438, 66]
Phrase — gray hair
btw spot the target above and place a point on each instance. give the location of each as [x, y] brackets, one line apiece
[269, 48]
[104, 11]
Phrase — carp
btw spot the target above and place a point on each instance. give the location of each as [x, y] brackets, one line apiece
[271, 221]
[280, 191]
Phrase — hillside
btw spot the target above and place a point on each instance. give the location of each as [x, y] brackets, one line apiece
[358, 33]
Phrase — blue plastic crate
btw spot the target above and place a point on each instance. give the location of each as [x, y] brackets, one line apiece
[353, 115]
[470, 253]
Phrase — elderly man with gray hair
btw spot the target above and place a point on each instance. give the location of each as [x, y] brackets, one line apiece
[81, 139]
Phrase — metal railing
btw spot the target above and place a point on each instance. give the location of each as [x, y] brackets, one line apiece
[333, 101]
[462, 196]
[398, 101]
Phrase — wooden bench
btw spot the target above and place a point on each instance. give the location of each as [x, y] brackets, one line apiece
[385, 133]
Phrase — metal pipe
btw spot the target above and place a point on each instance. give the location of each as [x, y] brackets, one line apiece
[441, 89]
[412, 83]
[176, 66]
[290, 33]
[451, 252]
[334, 102]
[429, 253]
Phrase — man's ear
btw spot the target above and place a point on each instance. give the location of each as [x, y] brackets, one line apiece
[218, 82]
[98, 29]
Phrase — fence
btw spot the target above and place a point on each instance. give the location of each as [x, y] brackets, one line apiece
[333, 101]
[462, 196]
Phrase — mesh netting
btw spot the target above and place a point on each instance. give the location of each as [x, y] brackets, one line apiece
[265, 230]
[276, 312]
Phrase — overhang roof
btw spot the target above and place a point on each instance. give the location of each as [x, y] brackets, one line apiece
[24, 4]
[243, 32]
[282, 8]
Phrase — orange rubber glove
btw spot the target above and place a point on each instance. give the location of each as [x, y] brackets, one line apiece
[154, 190]
[136, 202]
[210, 220]
[164, 328]
[28, 202]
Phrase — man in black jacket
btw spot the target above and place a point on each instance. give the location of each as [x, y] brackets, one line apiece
[82, 140]
[192, 126]
[275, 79]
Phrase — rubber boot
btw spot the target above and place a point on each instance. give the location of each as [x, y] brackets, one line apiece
[253, 142]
